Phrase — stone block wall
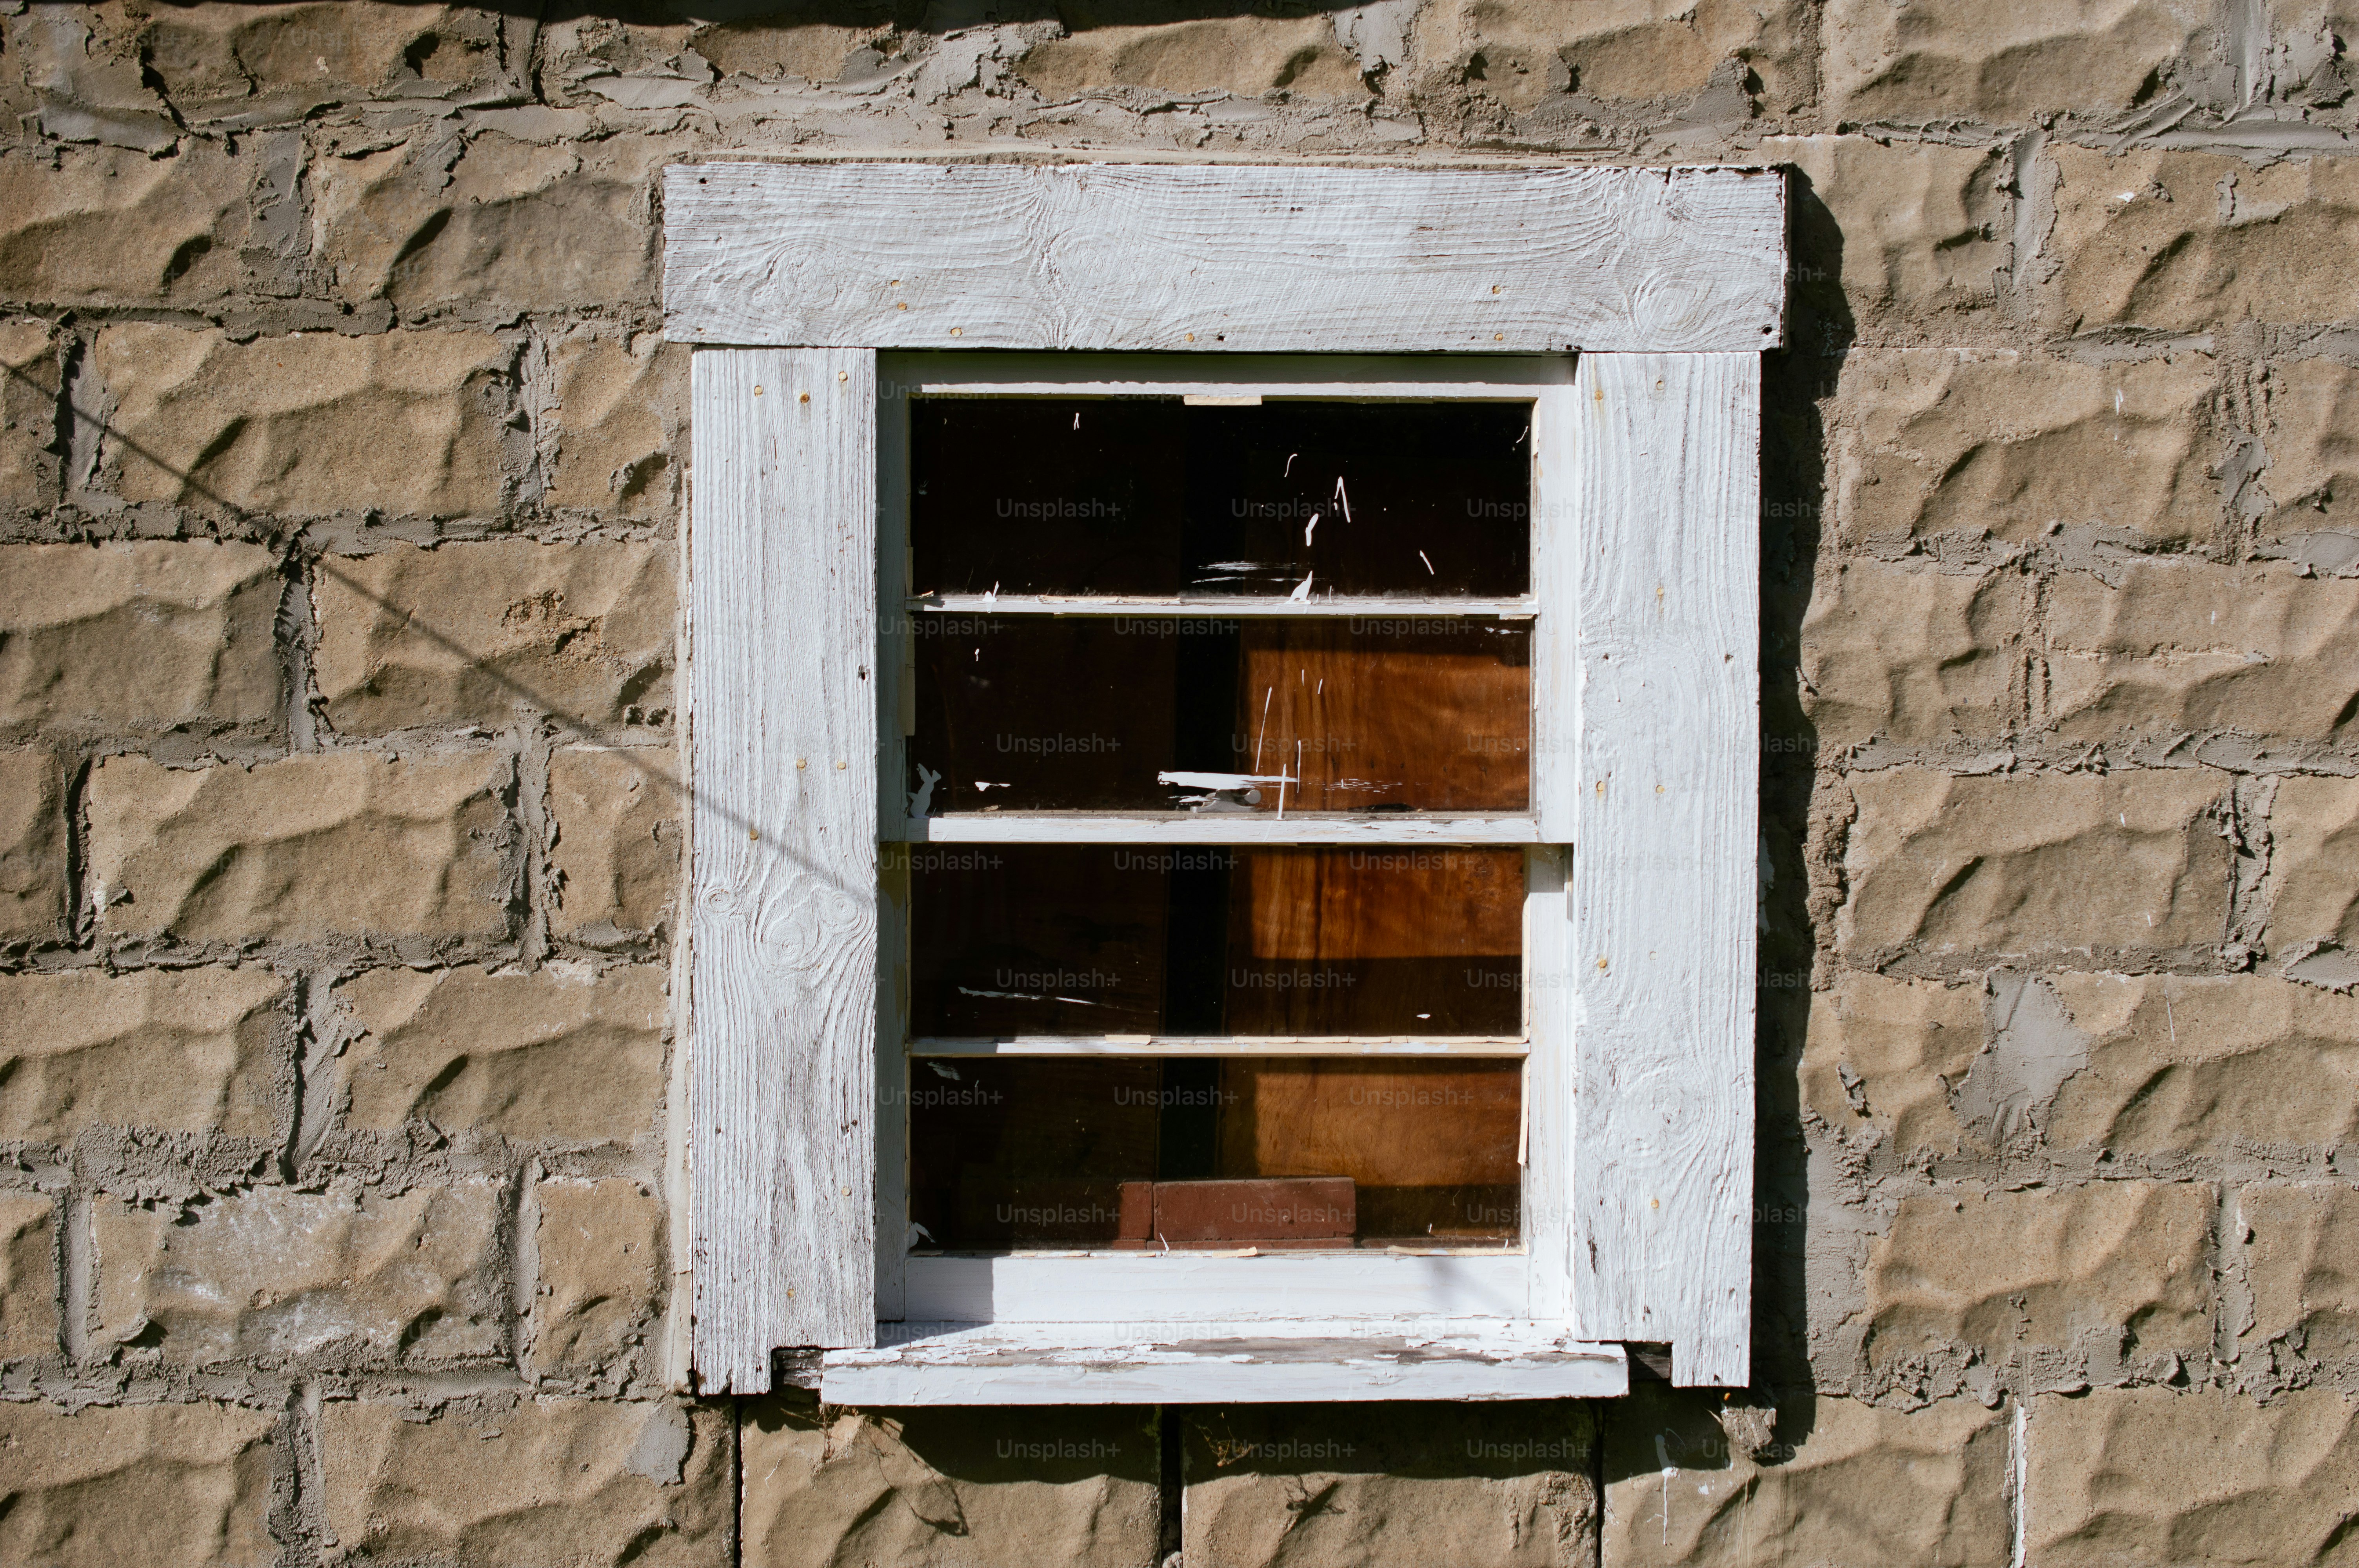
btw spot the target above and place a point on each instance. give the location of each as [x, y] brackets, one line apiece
[342, 467]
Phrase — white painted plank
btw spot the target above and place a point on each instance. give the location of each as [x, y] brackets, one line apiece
[1214, 827]
[1663, 884]
[1110, 1287]
[1225, 258]
[896, 682]
[1235, 607]
[783, 906]
[892, 1183]
[950, 1364]
[1547, 1083]
[1224, 1045]
[1556, 664]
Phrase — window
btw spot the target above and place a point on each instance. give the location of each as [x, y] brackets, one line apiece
[1210, 848]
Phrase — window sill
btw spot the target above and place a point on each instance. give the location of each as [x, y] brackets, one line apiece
[1221, 1363]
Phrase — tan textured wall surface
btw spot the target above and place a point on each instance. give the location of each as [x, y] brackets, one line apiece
[341, 464]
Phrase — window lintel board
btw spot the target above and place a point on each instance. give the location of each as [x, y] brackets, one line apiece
[1666, 282]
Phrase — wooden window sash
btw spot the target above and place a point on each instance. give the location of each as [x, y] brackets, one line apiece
[1668, 282]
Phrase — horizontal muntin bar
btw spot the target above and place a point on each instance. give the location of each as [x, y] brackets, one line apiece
[1224, 1045]
[1219, 828]
[1367, 606]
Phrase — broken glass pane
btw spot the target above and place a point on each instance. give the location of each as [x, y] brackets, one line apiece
[1272, 1152]
[1017, 939]
[1160, 713]
[1148, 496]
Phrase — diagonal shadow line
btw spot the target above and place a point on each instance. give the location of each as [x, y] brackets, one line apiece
[283, 540]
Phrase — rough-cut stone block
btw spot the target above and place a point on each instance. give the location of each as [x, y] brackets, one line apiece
[1940, 440]
[135, 640]
[1922, 225]
[187, 1050]
[1391, 1486]
[781, 45]
[2188, 242]
[1862, 1486]
[2302, 1263]
[1997, 1273]
[586, 1483]
[601, 1273]
[619, 825]
[1944, 59]
[2172, 647]
[279, 1275]
[32, 847]
[111, 1486]
[85, 81]
[216, 61]
[1246, 55]
[112, 226]
[346, 844]
[28, 415]
[2313, 440]
[2200, 1474]
[579, 45]
[1913, 653]
[1073, 1484]
[512, 226]
[1621, 54]
[564, 1052]
[29, 1278]
[2165, 1064]
[2314, 861]
[404, 423]
[484, 634]
[2040, 864]
[1884, 1051]
[621, 411]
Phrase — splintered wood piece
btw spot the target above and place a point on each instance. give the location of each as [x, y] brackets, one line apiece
[1240, 1212]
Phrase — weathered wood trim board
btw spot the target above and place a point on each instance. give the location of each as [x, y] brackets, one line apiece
[1229, 1363]
[1230, 258]
[783, 887]
[1664, 892]
[1248, 282]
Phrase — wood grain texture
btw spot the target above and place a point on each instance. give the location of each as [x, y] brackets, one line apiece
[1224, 259]
[784, 885]
[1663, 894]
[1547, 1085]
[1229, 1363]
[1556, 664]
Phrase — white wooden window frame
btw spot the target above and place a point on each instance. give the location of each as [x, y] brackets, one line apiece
[1630, 307]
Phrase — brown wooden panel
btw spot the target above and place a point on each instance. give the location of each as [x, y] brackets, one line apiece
[1385, 904]
[1376, 713]
[1382, 1123]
